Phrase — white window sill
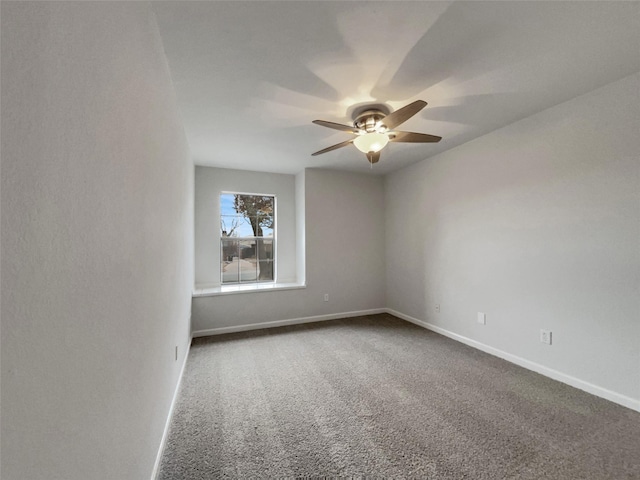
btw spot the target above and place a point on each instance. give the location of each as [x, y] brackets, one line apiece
[245, 288]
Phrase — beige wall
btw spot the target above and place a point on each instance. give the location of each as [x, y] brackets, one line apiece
[97, 255]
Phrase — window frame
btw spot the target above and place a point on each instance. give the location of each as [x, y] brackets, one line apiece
[250, 238]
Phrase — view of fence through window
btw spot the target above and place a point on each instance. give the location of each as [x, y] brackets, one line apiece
[247, 245]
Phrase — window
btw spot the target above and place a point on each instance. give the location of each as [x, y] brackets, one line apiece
[247, 242]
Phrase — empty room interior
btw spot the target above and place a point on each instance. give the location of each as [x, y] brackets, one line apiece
[318, 239]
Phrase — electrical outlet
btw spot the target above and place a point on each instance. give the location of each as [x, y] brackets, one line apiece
[482, 318]
[326, 297]
[545, 336]
[437, 308]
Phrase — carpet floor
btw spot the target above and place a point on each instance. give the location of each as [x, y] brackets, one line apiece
[378, 397]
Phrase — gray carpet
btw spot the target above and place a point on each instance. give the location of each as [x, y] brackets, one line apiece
[378, 397]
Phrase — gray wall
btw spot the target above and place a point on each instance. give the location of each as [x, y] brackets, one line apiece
[344, 242]
[209, 184]
[301, 242]
[97, 215]
[537, 225]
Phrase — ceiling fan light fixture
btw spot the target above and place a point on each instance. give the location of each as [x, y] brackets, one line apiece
[374, 126]
[371, 142]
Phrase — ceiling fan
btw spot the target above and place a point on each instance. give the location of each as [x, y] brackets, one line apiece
[374, 128]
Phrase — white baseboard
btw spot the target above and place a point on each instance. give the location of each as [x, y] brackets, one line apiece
[529, 365]
[165, 433]
[282, 323]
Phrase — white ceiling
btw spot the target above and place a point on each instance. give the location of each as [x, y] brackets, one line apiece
[251, 76]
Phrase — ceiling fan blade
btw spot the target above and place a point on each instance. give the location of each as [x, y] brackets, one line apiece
[336, 126]
[373, 157]
[332, 147]
[394, 119]
[410, 137]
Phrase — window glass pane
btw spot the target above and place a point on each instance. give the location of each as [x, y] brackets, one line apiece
[235, 226]
[264, 251]
[259, 209]
[227, 204]
[229, 260]
[229, 225]
[266, 228]
[247, 263]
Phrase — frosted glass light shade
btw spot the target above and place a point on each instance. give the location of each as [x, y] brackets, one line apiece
[371, 142]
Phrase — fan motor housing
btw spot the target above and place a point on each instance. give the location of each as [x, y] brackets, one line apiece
[368, 120]
[367, 116]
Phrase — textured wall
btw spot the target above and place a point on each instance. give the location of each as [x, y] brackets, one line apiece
[537, 225]
[209, 184]
[97, 215]
[344, 230]
[301, 242]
